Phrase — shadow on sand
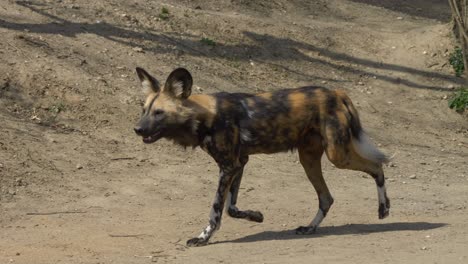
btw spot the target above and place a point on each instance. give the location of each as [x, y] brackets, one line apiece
[352, 229]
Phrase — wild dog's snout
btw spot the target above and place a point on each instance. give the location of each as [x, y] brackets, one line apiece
[138, 130]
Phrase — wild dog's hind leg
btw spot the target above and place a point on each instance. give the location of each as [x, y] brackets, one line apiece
[231, 207]
[346, 157]
[310, 156]
[384, 202]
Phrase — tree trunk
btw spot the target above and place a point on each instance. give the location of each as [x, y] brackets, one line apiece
[460, 20]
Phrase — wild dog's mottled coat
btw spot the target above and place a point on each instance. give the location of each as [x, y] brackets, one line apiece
[231, 126]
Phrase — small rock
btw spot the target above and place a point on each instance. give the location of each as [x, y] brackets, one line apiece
[444, 97]
[138, 49]
[425, 52]
[35, 118]
[399, 18]
[1, 165]
[412, 177]
[424, 248]
[79, 166]
[324, 82]
[360, 83]
[19, 182]
[450, 86]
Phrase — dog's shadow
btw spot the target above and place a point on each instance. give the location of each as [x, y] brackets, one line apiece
[351, 229]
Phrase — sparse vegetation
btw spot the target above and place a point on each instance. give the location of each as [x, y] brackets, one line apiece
[456, 60]
[57, 108]
[164, 15]
[459, 100]
[208, 41]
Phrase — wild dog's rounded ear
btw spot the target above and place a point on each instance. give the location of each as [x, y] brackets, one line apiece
[148, 82]
[179, 83]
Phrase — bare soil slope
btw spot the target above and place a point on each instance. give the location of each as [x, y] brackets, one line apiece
[77, 186]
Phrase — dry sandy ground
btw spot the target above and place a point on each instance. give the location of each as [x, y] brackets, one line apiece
[77, 186]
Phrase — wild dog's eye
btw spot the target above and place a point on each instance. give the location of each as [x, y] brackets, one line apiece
[158, 112]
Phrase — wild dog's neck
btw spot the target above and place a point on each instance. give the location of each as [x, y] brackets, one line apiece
[202, 108]
[186, 134]
[199, 112]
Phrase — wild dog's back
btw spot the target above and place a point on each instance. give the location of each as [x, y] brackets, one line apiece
[280, 120]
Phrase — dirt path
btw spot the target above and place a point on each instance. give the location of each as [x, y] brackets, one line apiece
[77, 186]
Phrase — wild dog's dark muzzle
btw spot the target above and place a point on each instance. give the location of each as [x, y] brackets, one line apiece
[149, 135]
[138, 130]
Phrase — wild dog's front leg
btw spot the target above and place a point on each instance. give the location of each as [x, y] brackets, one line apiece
[231, 207]
[225, 179]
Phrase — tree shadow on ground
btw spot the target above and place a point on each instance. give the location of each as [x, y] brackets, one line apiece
[352, 229]
[433, 9]
[263, 48]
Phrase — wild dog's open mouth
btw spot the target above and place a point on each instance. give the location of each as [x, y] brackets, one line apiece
[152, 138]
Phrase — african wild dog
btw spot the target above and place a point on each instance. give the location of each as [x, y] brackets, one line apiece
[231, 126]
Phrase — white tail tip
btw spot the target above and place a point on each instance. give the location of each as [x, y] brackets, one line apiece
[367, 150]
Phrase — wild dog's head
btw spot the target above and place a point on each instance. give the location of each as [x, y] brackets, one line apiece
[163, 110]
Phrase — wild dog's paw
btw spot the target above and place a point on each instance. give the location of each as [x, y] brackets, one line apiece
[306, 230]
[384, 210]
[254, 216]
[197, 242]
[250, 215]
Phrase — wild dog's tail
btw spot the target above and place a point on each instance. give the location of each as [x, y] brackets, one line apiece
[361, 142]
